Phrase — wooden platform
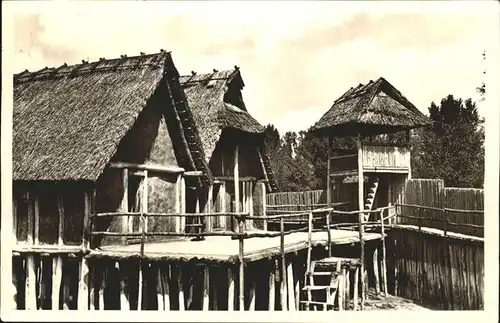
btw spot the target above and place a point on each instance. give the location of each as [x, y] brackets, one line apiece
[224, 249]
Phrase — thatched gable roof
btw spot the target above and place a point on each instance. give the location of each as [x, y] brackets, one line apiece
[374, 108]
[68, 121]
[216, 103]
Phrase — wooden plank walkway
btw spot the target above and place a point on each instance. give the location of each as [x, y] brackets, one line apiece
[224, 249]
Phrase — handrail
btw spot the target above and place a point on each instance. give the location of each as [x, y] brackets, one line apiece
[439, 209]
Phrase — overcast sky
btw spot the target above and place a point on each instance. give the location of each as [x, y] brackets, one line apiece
[296, 58]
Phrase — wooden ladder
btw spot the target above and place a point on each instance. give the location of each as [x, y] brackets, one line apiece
[336, 285]
[372, 191]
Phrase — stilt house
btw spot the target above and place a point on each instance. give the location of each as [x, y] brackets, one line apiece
[229, 133]
[367, 111]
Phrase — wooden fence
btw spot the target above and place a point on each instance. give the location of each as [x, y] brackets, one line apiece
[432, 193]
[445, 273]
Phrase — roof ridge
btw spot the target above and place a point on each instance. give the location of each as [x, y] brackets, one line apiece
[94, 66]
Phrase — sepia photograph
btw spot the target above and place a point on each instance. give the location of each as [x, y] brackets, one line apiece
[262, 156]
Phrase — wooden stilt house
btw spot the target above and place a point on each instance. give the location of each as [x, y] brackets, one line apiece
[233, 144]
[375, 109]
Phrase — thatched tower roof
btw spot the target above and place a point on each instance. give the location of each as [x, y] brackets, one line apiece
[370, 109]
[216, 103]
[68, 121]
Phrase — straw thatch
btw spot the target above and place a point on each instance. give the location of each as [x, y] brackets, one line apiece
[374, 108]
[216, 103]
[68, 121]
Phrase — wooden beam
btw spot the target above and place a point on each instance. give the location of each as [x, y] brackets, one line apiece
[264, 202]
[384, 263]
[145, 200]
[241, 288]
[60, 207]
[36, 212]
[140, 287]
[230, 289]
[272, 286]
[360, 214]
[193, 173]
[30, 291]
[206, 288]
[178, 203]
[180, 288]
[222, 194]
[291, 291]
[250, 202]
[83, 285]
[56, 281]
[124, 298]
[232, 178]
[209, 208]
[124, 204]
[283, 296]
[251, 305]
[183, 204]
[236, 181]
[356, 289]
[31, 225]
[375, 271]
[149, 167]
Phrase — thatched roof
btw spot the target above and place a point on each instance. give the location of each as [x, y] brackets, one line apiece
[68, 121]
[216, 103]
[374, 108]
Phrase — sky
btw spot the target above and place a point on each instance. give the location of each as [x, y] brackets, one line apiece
[295, 57]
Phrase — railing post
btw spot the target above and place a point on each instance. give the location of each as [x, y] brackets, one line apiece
[283, 266]
[241, 289]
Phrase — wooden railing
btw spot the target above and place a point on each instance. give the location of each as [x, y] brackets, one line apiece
[386, 156]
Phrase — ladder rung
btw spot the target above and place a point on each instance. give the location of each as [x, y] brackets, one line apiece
[317, 287]
[314, 303]
[322, 273]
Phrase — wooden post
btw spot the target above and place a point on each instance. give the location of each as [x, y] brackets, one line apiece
[329, 197]
[30, 291]
[356, 290]
[408, 145]
[236, 181]
[297, 288]
[124, 205]
[36, 232]
[242, 265]
[206, 286]
[31, 225]
[283, 295]
[178, 203]
[230, 289]
[145, 200]
[60, 207]
[264, 201]
[222, 193]
[165, 282]
[102, 286]
[375, 271]
[360, 214]
[251, 306]
[290, 290]
[340, 289]
[272, 287]
[210, 220]
[347, 287]
[181, 288]
[183, 204]
[56, 281]
[124, 298]
[140, 287]
[250, 202]
[384, 252]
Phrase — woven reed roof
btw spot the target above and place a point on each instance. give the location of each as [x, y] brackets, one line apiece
[216, 103]
[68, 121]
[374, 108]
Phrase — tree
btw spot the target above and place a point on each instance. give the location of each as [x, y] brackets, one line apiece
[453, 147]
[482, 89]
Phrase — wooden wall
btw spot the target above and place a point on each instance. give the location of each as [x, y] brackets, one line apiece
[432, 193]
[446, 274]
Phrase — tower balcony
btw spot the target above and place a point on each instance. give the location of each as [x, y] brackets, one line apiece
[375, 159]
